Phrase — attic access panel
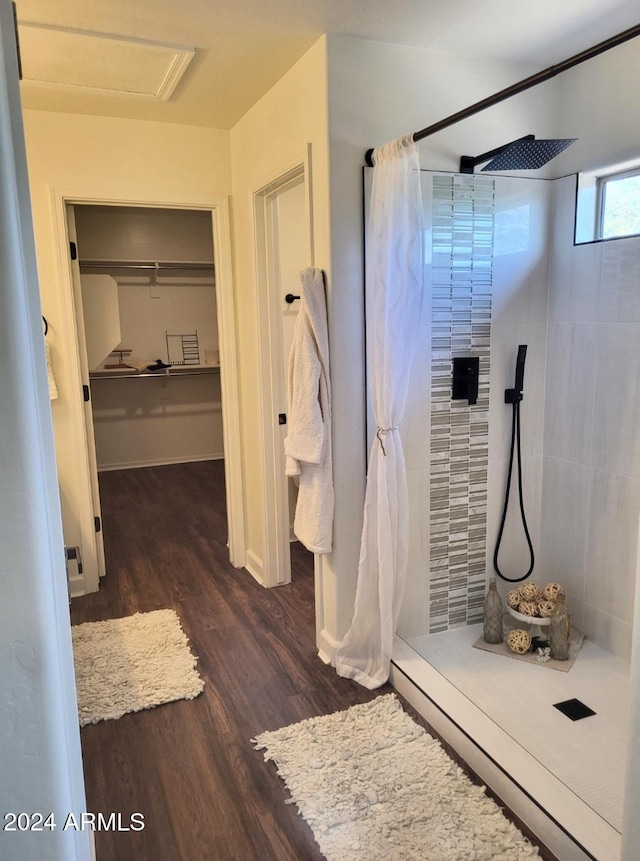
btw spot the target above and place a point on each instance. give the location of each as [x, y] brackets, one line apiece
[86, 61]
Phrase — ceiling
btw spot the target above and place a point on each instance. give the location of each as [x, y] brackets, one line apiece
[244, 46]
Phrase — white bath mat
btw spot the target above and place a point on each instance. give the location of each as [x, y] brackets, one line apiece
[374, 786]
[134, 663]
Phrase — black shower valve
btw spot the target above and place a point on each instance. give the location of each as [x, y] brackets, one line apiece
[466, 370]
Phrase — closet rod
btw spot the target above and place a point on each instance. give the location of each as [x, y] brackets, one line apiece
[521, 86]
[112, 264]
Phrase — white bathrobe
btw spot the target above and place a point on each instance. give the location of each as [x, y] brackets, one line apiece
[308, 442]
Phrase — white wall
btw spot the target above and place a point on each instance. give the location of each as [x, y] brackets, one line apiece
[378, 92]
[93, 157]
[597, 105]
[269, 140]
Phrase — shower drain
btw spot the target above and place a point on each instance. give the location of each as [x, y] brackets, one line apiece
[574, 709]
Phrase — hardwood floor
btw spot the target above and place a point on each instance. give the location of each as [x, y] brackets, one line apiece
[188, 766]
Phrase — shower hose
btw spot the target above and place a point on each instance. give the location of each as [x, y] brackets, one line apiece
[515, 450]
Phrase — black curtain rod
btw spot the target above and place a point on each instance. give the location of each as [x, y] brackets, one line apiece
[521, 86]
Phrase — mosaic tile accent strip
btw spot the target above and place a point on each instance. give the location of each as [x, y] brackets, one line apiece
[462, 257]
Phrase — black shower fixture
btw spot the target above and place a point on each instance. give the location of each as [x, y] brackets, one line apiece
[526, 153]
[514, 396]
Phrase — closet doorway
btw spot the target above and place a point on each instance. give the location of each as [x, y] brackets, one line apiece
[282, 211]
[150, 296]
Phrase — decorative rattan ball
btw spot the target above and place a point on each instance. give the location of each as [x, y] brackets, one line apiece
[551, 591]
[513, 599]
[519, 641]
[528, 591]
[528, 608]
[546, 608]
[540, 596]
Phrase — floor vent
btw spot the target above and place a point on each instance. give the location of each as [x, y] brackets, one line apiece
[574, 709]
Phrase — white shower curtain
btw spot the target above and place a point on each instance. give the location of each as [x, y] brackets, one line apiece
[394, 272]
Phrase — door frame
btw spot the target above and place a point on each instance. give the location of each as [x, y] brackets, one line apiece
[276, 562]
[40, 713]
[86, 570]
[218, 207]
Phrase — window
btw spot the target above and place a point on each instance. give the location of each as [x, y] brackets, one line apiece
[618, 196]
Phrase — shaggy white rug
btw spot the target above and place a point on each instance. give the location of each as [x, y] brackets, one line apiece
[125, 665]
[373, 785]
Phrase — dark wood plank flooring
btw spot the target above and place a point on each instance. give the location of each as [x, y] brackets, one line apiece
[188, 766]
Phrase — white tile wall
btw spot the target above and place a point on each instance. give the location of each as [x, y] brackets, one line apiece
[619, 280]
[616, 415]
[591, 486]
[565, 512]
[571, 370]
[612, 537]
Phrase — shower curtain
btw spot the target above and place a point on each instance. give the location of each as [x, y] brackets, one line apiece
[394, 273]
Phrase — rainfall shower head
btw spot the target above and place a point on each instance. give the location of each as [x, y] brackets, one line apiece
[524, 154]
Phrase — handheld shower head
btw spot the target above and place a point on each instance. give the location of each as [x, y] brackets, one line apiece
[514, 395]
[522, 355]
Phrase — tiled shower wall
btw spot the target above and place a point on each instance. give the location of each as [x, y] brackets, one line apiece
[591, 486]
[461, 275]
[510, 261]
[488, 266]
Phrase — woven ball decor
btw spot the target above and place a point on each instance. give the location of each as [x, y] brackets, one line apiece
[519, 641]
[546, 608]
[551, 591]
[528, 592]
[531, 601]
[528, 608]
[513, 599]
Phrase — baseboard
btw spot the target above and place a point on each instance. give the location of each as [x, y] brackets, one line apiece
[140, 464]
[254, 566]
[567, 826]
[77, 585]
[327, 646]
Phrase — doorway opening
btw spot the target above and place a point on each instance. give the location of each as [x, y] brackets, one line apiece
[147, 325]
[158, 276]
[284, 247]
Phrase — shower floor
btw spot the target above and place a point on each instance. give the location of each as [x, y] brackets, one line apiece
[488, 692]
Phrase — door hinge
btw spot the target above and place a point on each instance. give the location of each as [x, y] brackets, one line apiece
[86, 394]
[73, 248]
[15, 25]
[282, 418]
[97, 524]
[74, 553]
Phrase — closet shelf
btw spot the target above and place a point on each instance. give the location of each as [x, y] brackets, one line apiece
[175, 371]
[152, 265]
